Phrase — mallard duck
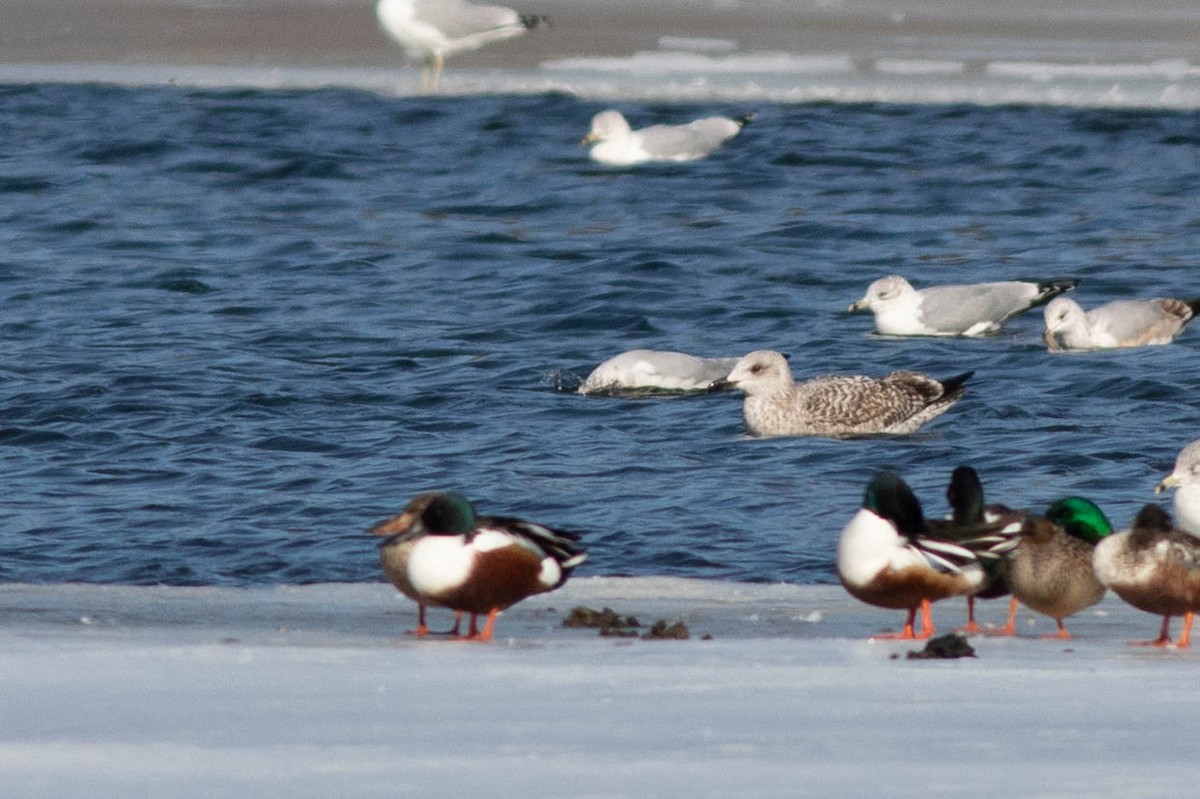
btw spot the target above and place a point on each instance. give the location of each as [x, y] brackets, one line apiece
[1155, 567]
[835, 405]
[887, 557]
[1050, 570]
[439, 552]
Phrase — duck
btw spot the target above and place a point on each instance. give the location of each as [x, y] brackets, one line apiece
[614, 142]
[835, 406]
[1123, 323]
[439, 552]
[1185, 478]
[970, 519]
[968, 310]
[1155, 567]
[887, 556]
[433, 30]
[1050, 570]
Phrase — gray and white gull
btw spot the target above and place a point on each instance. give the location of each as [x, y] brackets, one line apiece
[972, 309]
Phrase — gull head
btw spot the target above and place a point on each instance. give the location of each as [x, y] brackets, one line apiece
[607, 126]
[1063, 317]
[760, 372]
[881, 292]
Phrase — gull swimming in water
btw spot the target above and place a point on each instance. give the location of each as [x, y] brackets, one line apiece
[432, 30]
[1124, 323]
[836, 406]
[655, 369]
[976, 309]
[1185, 479]
[614, 142]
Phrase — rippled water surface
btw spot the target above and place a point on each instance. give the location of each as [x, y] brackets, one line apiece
[239, 326]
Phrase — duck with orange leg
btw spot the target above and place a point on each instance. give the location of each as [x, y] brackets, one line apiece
[1051, 571]
[1154, 566]
[887, 556]
[439, 553]
[971, 519]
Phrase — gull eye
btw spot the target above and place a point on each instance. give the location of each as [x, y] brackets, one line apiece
[756, 368]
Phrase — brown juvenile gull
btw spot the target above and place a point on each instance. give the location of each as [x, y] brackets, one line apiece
[833, 405]
[1124, 323]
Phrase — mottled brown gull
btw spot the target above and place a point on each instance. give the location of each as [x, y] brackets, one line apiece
[833, 405]
[974, 309]
[1124, 323]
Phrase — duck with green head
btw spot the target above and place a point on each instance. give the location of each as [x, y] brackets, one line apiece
[973, 519]
[439, 552]
[1050, 571]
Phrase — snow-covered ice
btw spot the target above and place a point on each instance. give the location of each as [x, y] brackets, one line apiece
[315, 691]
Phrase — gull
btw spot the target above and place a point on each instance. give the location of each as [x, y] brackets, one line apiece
[664, 370]
[434, 29]
[1186, 480]
[614, 142]
[833, 405]
[975, 309]
[1124, 323]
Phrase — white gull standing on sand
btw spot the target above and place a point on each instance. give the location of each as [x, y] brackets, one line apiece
[836, 406]
[434, 29]
[953, 310]
[1185, 479]
[655, 369]
[614, 142]
[1124, 323]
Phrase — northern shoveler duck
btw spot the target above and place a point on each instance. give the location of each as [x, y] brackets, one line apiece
[971, 519]
[975, 309]
[1185, 479]
[887, 557]
[1050, 571]
[439, 552]
[835, 405]
[1155, 567]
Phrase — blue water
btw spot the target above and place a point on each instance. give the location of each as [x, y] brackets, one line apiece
[240, 326]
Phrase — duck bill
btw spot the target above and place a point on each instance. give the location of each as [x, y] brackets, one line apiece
[395, 525]
[1170, 481]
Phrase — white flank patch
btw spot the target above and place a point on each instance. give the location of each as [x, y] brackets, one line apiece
[550, 573]
[439, 563]
[868, 544]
